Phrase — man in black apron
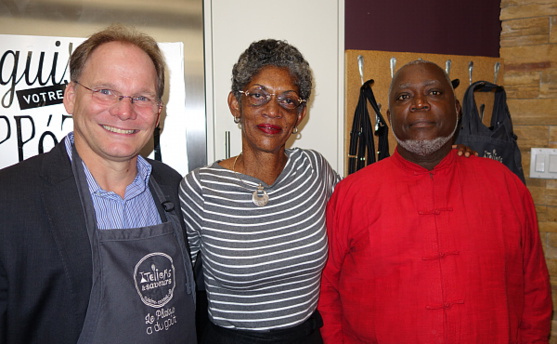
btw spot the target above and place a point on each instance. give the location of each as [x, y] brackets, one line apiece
[91, 235]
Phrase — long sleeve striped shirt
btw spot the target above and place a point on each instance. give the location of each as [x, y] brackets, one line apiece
[262, 265]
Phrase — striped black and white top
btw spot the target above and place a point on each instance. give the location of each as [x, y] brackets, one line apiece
[262, 265]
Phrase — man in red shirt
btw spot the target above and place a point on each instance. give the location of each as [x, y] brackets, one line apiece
[430, 247]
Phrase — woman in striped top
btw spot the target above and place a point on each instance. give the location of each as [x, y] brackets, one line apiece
[257, 219]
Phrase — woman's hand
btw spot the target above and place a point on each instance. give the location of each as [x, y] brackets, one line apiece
[465, 150]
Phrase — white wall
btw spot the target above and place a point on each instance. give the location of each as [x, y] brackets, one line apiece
[316, 28]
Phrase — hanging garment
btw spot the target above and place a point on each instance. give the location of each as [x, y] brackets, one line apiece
[362, 148]
[497, 142]
[142, 288]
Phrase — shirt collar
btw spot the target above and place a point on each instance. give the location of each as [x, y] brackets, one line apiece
[138, 186]
[414, 168]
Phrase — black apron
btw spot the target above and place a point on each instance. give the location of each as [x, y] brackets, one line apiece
[498, 141]
[142, 288]
[361, 151]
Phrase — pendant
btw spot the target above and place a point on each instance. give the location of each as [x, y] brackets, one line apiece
[260, 200]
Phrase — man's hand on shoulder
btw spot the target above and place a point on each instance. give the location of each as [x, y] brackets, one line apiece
[465, 151]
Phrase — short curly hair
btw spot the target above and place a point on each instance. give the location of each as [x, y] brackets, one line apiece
[272, 52]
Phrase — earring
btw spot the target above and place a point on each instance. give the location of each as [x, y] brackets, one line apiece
[237, 119]
[295, 131]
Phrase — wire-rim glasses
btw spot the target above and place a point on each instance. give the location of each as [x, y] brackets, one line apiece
[288, 100]
[108, 97]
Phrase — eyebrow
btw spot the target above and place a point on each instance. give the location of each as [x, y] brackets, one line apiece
[112, 87]
[272, 91]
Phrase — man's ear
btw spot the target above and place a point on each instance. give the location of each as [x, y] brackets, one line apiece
[233, 105]
[159, 112]
[458, 110]
[69, 98]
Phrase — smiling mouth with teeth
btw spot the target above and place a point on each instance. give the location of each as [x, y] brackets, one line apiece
[119, 131]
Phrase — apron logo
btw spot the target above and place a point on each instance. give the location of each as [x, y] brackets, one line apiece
[154, 279]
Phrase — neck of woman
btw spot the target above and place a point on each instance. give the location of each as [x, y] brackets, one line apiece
[261, 165]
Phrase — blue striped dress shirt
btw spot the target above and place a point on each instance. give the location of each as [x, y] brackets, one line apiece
[136, 209]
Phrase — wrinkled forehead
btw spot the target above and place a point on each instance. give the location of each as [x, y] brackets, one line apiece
[419, 74]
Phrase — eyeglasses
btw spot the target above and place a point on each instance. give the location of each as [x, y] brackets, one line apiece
[289, 100]
[108, 97]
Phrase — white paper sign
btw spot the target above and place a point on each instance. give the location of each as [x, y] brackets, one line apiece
[34, 71]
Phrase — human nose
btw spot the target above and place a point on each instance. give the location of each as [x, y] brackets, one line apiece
[124, 108]
[272, 108]
[420, 103]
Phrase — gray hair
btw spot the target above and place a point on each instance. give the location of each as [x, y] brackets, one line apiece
[271, 52]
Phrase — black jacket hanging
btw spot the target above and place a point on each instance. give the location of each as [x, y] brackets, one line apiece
[362, 148]
[497, 142]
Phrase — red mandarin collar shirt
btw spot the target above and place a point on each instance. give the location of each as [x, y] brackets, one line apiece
[450, 255]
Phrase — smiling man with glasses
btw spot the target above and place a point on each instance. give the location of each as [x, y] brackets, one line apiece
[92, 245]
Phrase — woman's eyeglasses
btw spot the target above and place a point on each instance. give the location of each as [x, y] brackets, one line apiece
[289, 100]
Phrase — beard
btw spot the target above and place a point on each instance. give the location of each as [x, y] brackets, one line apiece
[425, 147]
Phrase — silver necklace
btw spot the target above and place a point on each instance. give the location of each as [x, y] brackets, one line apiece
[259, 197]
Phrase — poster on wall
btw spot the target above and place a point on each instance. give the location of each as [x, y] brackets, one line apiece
[34, 72]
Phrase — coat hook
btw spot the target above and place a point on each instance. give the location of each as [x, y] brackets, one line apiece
[448, 67]
[361, 68]
[496, 71]
[470, 69]
[393, 65]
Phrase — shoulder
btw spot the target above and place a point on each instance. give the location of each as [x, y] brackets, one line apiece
[19, 170]
[315, 163]
[31, 163]
[380, 169]
[207, 172]
[20, 181]
[164, 173]
[309, 156]
[485, 175]
[373, 179]
[51, 167]
[203, 176]
[488, 168]
[167, 178]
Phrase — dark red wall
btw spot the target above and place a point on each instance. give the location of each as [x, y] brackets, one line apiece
[453, 27]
